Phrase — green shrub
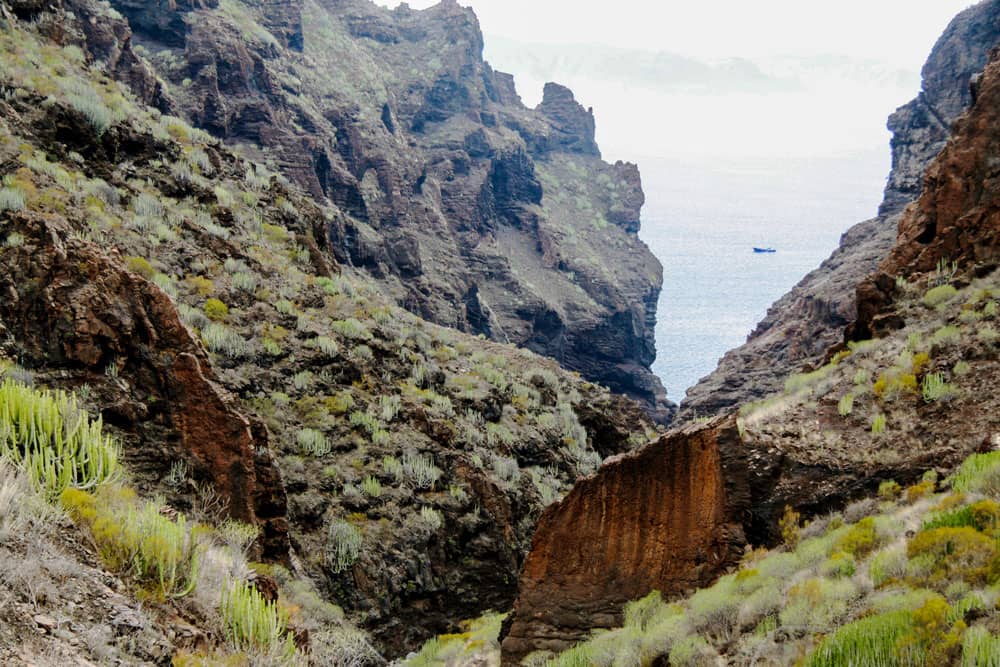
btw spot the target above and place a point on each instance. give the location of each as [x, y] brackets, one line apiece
[252, 622]
[934, 388]
[52, 439]
[12, 199]
[979, 473]
[946, 335]
[431, 517]
[817, 603]
[845, 405]
[389, 407]
[802, 381]
[351, 328]
[137, 539]
[871, 641]
[980, 648]
[221, 339]
[88, 103]
[714, 610]
[327, 346]
[312, 442]
[839, 564]
[888, 565]
[638, 613]
[215, 310]
[343, 546]
[245, 281]
[983, 516]
[692, 652]
[878, 424]
[391, 466]
[420, 470]
[939, 295]
[371, 487]
[889, 490]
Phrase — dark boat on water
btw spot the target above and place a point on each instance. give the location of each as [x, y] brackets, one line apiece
[756, 249]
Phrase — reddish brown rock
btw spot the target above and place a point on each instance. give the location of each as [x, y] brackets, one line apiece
[669, 517]
[74, 311]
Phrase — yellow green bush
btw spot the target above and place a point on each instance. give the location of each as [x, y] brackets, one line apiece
[860, 540]
[215, 310]
[894, 383]
[889, 490]
[141, 266]
[939, 295]
[49, 436]
[789, 526]
[136, 539]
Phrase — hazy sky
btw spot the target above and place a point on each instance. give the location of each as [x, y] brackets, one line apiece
[898, 31]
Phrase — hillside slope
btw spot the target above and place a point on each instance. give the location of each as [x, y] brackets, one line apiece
[196, 301]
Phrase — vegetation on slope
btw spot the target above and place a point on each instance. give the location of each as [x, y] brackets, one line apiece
[174, 566]
[911, 577]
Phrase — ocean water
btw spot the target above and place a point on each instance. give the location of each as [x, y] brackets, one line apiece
[702, 219]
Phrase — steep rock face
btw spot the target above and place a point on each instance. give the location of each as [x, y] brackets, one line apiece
[72, 312]
[956, 218]
[668, 517]
[473, 211]
[921, 127]
[439, 449]
[801, 326]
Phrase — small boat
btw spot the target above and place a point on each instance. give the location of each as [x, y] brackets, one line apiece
[756, 249]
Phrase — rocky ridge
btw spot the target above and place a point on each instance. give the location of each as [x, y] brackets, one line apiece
[470, 209]
[804, 324]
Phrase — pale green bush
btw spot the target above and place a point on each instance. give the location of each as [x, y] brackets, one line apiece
[343, 545]
[53, 440]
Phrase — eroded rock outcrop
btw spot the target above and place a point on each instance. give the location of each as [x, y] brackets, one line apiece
[76, 315]
[668, 517]
[955, 220]
[801, 326]
[471, 210]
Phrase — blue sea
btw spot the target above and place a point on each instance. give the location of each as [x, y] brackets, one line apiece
[702, 220]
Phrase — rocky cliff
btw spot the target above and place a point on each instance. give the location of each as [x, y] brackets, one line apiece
[801, 326]
[953, 227]
[471, 210]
